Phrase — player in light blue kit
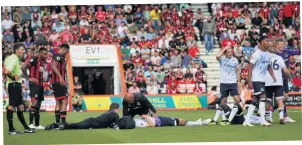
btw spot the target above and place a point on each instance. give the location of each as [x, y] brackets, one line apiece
[229, 82]
[259, 66]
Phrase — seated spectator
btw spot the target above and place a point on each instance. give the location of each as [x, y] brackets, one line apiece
[77, 103]
[224, 35]
[134, 88]
[297, 82]
[149, 72]
[186, 60]
[153, 79]
[160, 77]
[129, 79]
[176, 59]
[152, 89]
[157, 66]
[142, 85]
[247, 49]
[197, 89]
[188, 75]
[201, 76]
[174, 89]
[179, 74]
[257, 20]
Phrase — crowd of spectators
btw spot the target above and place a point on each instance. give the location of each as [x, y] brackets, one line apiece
[158, 42]
[241, 24]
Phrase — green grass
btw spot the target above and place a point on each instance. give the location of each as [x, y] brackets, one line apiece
[291, 131]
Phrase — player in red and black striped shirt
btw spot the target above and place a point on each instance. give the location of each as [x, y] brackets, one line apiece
[37, 69]
[58, 81]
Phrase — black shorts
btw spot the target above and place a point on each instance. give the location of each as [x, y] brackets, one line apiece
[238, 120]
[60, 91]
[285, 85]
[15, 94]
[259, 88]
[167, 121]
[36, 91]
[228, 89]
[274, 91]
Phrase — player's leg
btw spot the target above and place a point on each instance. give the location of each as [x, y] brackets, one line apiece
[251, 110]
[225, 92]
[34, 100]
[279, 95]
[199, 122]
[262, 104]
[236, 106]
[37, 107]
[10, 110]
[85, 124]
[270, 92]
[57, 94]
[19, 102]
[218, 112]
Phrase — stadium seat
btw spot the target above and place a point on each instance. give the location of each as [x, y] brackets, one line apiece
[182, 88]
[190, 88]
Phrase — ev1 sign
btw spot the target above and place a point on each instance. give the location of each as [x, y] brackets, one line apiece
[83, 55]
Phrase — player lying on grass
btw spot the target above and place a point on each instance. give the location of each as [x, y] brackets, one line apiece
[238, 119]
[107, 119]
[161, 121]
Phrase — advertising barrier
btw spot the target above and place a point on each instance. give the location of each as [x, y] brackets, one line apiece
[294, 100]
[167, 102]
[160, 102]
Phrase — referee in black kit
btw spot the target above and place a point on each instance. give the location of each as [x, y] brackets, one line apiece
[137, 104]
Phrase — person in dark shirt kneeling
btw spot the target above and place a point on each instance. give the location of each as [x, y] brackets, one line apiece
[137, 104]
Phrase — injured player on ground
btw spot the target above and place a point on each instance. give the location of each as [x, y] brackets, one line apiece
[161, 121]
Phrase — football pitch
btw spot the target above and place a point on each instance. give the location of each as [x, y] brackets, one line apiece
[277, 132]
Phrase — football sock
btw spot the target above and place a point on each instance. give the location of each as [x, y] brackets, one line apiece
[262, 110]
[22, 120]
[193, 123]
[267, 115]
[37, 116]
[63, 116]
[223, 116]
[250, 112]
[217, 114]
[281, 113]
[285, 112]
[31, 115]
[9, 117]
[57, 115]
[233, 112]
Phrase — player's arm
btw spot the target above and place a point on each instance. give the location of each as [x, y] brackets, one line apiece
[284, 68]
[294, 52]
[221, 52]
[115, 119]
[238, 71]
[54, 66]
[147, 103]
[125, 109]
[149, 120]
[271, 72]
[9, 65]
